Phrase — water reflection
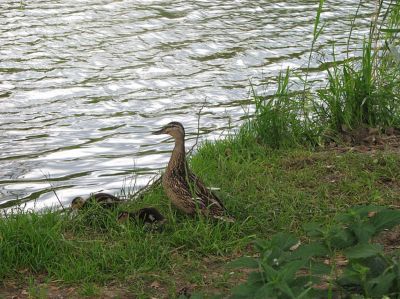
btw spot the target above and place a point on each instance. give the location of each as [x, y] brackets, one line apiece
[83, 84]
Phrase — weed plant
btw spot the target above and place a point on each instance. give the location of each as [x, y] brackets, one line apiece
[341, 260]
[278, 122]
[361, 92]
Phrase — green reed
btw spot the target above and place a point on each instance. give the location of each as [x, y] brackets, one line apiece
[361, 91]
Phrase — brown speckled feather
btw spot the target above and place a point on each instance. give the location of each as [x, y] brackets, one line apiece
[185, 190]
[210, 200]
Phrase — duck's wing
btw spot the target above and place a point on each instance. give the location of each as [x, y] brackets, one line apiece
[105, 200]
[185, 195]
[207, 196]
[105, 197]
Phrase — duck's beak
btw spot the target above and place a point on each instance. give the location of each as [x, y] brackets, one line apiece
[158, 132]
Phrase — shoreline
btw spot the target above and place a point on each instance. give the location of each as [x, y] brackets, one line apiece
[266, 190]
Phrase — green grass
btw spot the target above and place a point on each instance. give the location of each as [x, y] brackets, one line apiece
[271, 179]
[360, 92]
[89, 289]
[265, 190]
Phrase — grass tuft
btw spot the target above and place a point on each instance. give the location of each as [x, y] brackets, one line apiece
[361, 92]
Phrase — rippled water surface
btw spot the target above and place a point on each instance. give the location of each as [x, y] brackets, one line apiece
[83, 83]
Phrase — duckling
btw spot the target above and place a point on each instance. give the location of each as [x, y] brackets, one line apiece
[106, 200]
[148, 215]
[185, 190]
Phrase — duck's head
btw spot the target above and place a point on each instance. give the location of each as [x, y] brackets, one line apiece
[77, 203]
[123, 216]
[175, 129]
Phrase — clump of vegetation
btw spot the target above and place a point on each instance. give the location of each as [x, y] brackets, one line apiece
[340, 260]
[279, 121]
[360, 92]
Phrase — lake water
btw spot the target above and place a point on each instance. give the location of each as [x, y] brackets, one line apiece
[83, 83]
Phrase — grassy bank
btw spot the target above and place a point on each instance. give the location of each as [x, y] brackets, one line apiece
[303, 157]
[265, 190]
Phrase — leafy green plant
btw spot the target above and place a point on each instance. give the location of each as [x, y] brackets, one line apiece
[275, 269]
[284, 269]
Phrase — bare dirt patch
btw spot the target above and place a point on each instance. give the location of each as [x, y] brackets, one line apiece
[365, 140]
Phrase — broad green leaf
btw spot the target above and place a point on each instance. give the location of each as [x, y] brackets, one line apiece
[341, 238]
[345, 218]
[266, 291]
[363, 211]
[386, 219]
[284, 241]
[377, 265]
[380, 285]
[349, 277]
[360, 268]
[363, 231]
[313, 229]
[270, 273]
[244, 262]
[275, 257]
[315, 293]
[363, 251]
[319, 268]
[266, 254]
[302, 282]
[245, 290]
[310, 250]
[262, 245]
[288, 271]
[283, 286]
[357, 214]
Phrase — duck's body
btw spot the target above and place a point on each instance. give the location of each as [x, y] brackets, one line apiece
[185, 190]
[106, 200]
[148, 215]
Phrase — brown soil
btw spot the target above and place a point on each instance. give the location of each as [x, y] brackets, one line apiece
[390, 239]
[365, 139]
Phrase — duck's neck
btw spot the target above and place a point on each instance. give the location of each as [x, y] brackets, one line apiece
[177, 163]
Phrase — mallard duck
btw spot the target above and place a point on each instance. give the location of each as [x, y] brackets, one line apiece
[104, 199]
[148, 215]
[185, 190]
